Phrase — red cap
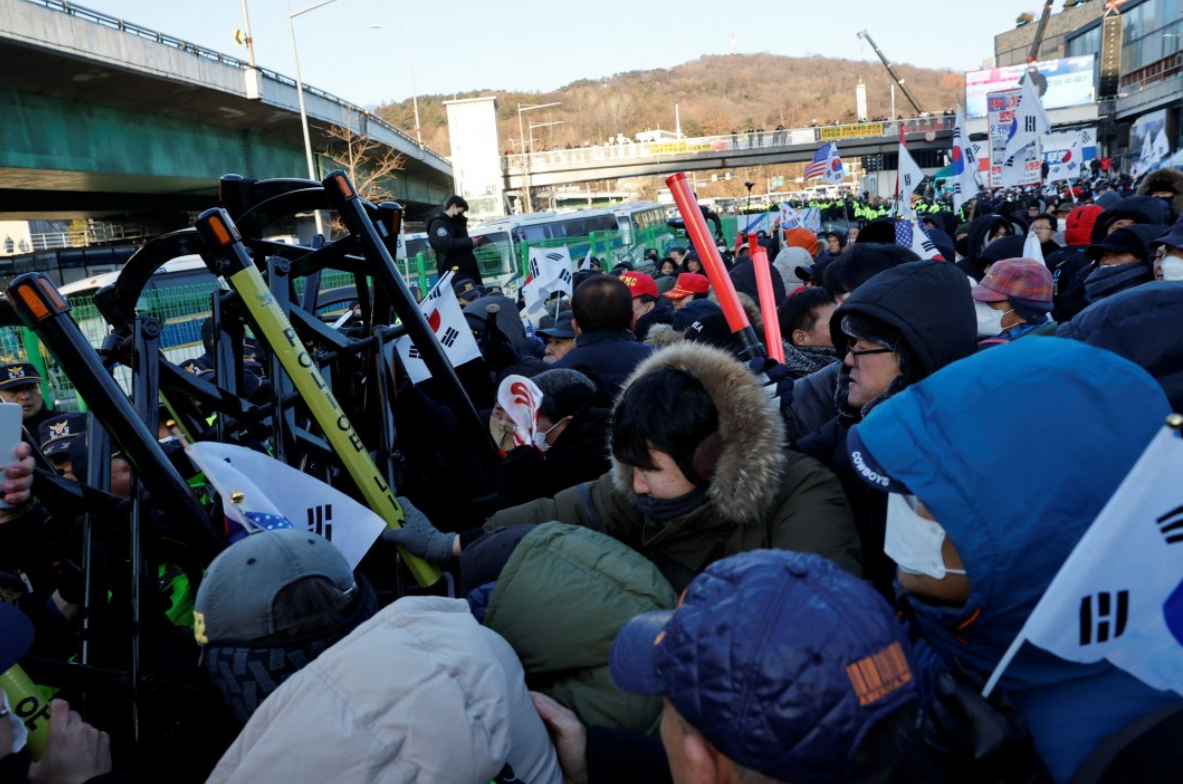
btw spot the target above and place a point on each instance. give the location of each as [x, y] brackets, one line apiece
[689, 283]
[639, 283]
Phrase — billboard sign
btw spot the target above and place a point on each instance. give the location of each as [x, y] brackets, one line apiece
[1145, 127]
[1066, 82]
[831, 133]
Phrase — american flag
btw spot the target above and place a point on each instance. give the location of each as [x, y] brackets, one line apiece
[820, 163]
[911, 235]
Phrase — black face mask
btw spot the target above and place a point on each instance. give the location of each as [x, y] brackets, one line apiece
[664, 510]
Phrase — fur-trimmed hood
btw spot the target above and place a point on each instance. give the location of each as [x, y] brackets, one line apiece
[662, 335]
[745, 486]
[1165, 180]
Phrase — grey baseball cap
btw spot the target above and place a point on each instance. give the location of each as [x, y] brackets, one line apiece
[236, 598]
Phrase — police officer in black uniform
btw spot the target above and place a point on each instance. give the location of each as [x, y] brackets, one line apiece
[447, 231]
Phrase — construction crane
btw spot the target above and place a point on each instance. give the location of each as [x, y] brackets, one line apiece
[891, 71]
[1033, 55]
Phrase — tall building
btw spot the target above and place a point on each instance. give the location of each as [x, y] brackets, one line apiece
[1147, 88]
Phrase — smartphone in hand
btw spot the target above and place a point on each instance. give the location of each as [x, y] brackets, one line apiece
[11, 419]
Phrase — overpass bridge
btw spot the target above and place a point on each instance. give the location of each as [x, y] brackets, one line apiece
[582, 164]
[100, 117]
[599, 162]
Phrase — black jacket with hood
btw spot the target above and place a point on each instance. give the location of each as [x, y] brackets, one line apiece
[1142, 325]
[979, 237]
[925, 306]
[453, 247]
[1165, 180]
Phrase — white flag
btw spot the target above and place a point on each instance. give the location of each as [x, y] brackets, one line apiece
[1145, 159]
[1069, 162]
[550, 272]
[1119, 596]
[1161, 147]
[446, 319]
[1030, 122]
[520, 398]
[308, 503]
[907, 179]
[835, 172]
[1031, 247]
[965, 164]
[812, 219]
[790, 218]
[585, 265]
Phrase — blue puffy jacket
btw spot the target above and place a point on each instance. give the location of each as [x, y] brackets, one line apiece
[1015, 451]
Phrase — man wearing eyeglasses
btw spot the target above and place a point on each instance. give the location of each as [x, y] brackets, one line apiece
[899, 327]
[1044, 227]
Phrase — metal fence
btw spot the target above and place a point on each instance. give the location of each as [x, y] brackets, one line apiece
[181, 310]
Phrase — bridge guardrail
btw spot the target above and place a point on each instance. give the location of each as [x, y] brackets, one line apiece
[737, 142]
[115, 23]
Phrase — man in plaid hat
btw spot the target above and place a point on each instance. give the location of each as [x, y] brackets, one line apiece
[1014, 298]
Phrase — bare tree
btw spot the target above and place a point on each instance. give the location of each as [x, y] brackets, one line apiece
[370, 164]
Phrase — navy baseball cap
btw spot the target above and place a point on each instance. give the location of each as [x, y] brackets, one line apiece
[561, 326]
[783, 661]
[868, 468]
[61, 433]
[16, 635]
[19, 374]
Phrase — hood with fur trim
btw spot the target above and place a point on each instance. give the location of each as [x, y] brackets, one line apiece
[1165, 180]
[745, 486]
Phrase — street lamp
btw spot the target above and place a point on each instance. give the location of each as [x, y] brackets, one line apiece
[300, 97]
[414, 90]
[522, 136]
[541, 125]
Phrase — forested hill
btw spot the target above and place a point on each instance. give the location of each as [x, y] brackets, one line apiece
[715, 94]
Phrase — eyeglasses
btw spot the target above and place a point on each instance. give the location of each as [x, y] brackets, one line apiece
[856, 353]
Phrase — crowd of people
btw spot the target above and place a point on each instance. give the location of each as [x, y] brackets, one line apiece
[702, 566]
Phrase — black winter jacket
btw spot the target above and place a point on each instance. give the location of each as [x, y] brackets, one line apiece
[452, 245]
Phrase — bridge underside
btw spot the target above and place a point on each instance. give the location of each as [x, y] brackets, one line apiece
[735, 159]
[81, 139]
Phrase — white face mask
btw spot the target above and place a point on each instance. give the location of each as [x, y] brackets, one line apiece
[913, 542]
[20, 733]
[989, 320]
[1172, 268]
[540, 437]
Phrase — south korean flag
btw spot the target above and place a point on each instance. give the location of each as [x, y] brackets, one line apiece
[446, 319]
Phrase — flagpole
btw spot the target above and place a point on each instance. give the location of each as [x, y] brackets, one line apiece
[1007, 658]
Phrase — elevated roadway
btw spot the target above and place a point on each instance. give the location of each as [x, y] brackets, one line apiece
[99, 117]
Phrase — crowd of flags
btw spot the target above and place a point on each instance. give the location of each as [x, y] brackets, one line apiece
[1029, 126]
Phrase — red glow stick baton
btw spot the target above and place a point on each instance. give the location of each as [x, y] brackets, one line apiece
[776, 348]
[700, 237]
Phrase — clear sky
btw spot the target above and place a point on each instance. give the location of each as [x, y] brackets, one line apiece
[362, 50]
